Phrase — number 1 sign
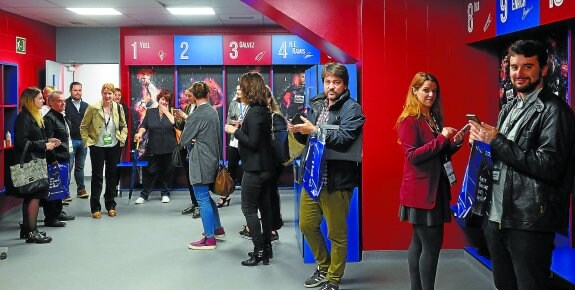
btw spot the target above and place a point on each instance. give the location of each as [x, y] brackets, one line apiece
[148, 50]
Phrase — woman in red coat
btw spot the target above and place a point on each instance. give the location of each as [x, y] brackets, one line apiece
[425, 188]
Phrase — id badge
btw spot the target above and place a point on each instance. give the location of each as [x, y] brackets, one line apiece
[496, 171]
[496, 174]
[449, 172]
[107, 138]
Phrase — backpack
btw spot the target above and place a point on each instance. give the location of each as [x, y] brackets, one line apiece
[280, 143]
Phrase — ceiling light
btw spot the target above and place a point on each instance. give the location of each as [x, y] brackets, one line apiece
[191, 11]
[95, 11]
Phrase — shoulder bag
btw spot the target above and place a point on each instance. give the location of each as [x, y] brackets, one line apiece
[280, 141]
[29, 177]
[224, 184]
[177, 156]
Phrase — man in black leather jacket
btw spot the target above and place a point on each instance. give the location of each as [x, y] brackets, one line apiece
[57, 126]
[341, 161]
[533, 150]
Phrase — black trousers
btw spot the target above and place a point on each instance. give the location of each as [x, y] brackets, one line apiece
[521, 259]
[275, 205]
[184, 156]
[52, 209]
[256, 195]
[117, 182]
[100, 157]
[233, 156]
[159, 167]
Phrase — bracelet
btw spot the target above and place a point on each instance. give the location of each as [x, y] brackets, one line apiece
[315, 131]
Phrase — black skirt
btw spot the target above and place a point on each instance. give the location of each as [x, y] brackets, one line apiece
[441, 213]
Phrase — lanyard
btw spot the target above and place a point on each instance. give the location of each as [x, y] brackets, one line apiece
[244, 110]
[434, 129]
[106, 122]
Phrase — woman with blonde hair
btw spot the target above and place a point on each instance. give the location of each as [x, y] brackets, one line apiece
[29, 131]
[425, 188]
[104, 130]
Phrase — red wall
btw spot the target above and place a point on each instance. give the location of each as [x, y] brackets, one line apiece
[331, 26]
[40, 46]
[398, 38]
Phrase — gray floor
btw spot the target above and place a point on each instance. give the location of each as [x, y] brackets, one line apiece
[145, 247]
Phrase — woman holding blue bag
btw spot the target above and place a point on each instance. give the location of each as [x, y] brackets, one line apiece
[427, 175]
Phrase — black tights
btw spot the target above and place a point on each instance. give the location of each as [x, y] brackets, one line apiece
[184, 157]
[30, 208]
[423, 255]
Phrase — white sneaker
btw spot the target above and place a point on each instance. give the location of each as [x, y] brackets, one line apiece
[140, 200]
[165, 199]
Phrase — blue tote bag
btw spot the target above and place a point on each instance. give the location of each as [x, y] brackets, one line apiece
[58, 181]
[312, 179]
[476, 185]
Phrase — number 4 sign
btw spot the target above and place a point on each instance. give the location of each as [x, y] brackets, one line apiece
[290, 49]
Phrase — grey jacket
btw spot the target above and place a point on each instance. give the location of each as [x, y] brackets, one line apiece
[203, 132]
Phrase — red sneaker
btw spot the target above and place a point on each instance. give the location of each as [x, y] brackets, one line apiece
[203, 244]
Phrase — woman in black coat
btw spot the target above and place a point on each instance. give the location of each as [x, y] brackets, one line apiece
[254, 139]
[159, 123]
[29, 128]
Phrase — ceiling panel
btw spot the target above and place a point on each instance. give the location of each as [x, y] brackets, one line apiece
[135, 13]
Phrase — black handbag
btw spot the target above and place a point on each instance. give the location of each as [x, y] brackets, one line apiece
[280, 141]
[177, 156]
[29, 177]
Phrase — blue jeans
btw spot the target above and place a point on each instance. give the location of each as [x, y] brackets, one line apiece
[78, 157]
[208, 210]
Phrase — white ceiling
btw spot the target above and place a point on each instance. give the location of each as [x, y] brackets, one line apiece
[136, 13]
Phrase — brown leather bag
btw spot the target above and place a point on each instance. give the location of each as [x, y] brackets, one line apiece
[224, 184]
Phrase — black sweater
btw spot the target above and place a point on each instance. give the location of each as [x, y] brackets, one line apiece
[55, 125]
[75, 117]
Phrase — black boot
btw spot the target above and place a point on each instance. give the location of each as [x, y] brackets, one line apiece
[35, 237]
[24, 232]
[258, 256]
[268, 249]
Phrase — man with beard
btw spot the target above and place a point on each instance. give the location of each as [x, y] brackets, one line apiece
[75, 110]
[341, 161]
[533, 148]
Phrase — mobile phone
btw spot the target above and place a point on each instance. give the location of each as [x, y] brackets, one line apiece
[474, 118]
[296, 119]
[465, 128]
